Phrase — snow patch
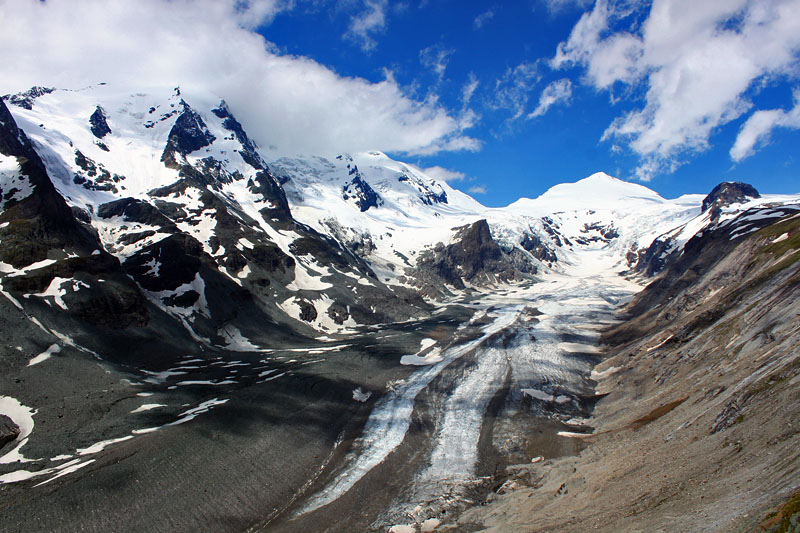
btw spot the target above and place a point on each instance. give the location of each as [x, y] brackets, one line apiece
[361, 396]
[148, 407]
[100, 446]
[781, 238]
[45, 355]
[23, 417]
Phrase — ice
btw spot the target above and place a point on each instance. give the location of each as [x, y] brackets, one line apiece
[45, 355]
[361, 396]
[390, 419]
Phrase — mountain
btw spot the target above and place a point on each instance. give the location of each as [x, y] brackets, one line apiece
[696, 427]
[172, 292]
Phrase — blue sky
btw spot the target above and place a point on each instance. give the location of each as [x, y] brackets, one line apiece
[437, 48]
[501, 99]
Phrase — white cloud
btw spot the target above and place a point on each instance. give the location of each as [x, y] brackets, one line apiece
[696, 60]
[557, 6]
[483, 18]
[512, 91]
[444, 174]
[477, 189]
[293, 103]
[469, 89]
[369, 21]
[254, 13]
[756, 131]
[435, 58]
[557, 92]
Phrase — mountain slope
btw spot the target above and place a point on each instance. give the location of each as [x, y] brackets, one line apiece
[172, 292]
[696, 425]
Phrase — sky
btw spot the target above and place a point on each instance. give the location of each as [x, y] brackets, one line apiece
[500, 99]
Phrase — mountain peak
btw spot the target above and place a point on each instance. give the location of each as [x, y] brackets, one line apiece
[598, 191]
[729, 192]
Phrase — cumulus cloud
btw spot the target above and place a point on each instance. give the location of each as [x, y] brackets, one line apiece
[557, 92]
[370, 20]
[694, 61]
[477, 189]
[758, 128]
[483, 18]
[254, 13]
[512, 91]
[290, 102]
[444, 174]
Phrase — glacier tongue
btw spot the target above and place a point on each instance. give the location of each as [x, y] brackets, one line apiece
[569, 304]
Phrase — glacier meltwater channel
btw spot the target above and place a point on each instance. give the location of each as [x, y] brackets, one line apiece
[575, 303]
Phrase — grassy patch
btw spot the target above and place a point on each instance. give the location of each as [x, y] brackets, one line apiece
[780, 521]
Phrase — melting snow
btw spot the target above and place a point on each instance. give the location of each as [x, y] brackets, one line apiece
[22, 417]
[782, 238]
[148, 407]
[100, 446]
[45, 355]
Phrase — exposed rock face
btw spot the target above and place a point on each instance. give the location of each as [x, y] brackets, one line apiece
[188, 134]
[652, 260]
[42, 226]
[9, 431]
[135, 210]
[360, 192]
[429, 195]
[272, 194]
[537, 248]
[98, 123]
[473, 257]
[249, 151]
[26, 99]
[727, 193]
[94, 176]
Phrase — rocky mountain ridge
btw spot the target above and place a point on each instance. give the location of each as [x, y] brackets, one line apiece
[148, 246]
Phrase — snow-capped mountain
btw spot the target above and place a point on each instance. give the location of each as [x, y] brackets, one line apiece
[151, 251]
[166, 179]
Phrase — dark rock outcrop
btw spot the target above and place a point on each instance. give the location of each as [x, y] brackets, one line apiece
[25, 100]
[265, 185]
[360, 192]
[249, 151]
[9, 431]
[428, 195]
[134, 210]
[533, 243]
[188, 134]
[473, 257]
[99, 124]
[727, 193]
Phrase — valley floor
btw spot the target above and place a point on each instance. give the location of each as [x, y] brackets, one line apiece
[499, 410]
